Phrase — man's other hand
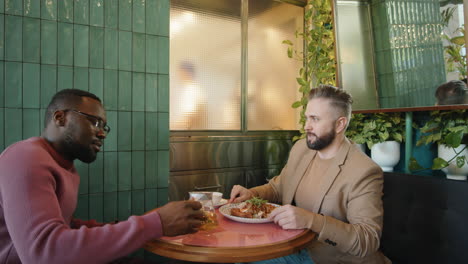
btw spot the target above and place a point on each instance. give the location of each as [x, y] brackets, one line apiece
[292, 217]
[240, 194]
[181, 217]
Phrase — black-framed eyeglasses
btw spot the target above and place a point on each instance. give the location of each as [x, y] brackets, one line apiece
[96, 120]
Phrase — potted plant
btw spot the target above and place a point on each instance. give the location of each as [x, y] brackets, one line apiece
[449, 130]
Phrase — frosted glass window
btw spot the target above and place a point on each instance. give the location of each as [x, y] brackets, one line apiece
[271, 80]
[205, 65]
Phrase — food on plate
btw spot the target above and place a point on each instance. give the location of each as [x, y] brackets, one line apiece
[253, 208]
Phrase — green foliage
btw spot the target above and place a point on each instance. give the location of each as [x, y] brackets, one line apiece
[256, 201]
[318, 55]
[376, 128]
[456, 44]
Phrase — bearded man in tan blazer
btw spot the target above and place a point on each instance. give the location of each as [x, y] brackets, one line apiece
[329, 186]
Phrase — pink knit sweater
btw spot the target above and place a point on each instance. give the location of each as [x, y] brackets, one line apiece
[38, 195]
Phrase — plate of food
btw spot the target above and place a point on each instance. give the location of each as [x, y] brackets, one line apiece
[253, 211]
[221, 202]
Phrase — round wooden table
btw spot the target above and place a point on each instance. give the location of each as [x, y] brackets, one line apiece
[232, 242]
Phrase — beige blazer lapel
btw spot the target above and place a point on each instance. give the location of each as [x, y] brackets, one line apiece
[291, 186]
[331, 174]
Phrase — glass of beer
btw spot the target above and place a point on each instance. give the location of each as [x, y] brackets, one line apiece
[206, 199]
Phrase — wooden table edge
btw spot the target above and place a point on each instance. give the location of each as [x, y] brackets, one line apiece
[230, 254]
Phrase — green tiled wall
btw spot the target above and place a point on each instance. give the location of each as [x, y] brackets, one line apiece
[117, 49]
[409, 53]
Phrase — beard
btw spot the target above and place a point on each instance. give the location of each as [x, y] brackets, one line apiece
[321, 142]
[76, 150]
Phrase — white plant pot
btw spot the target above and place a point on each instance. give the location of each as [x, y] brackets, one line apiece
[386, 154]
[452, 171]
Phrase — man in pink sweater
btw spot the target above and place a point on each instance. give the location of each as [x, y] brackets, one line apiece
[39, 190]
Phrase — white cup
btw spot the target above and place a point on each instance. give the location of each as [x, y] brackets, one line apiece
[217, 196]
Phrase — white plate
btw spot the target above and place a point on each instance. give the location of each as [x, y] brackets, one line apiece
[226, 211]
[221, 202]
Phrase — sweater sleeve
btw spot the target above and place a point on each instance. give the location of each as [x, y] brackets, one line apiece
[37, 228]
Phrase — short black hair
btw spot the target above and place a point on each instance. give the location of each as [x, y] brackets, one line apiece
[452, 92]
[67, 98]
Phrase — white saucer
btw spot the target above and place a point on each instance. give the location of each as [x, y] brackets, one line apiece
[221, 202]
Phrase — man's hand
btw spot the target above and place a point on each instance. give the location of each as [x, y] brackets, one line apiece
[292, 217]
[240, 194]
[180, 217]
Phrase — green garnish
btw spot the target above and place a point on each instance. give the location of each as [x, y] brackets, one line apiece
[257, 201]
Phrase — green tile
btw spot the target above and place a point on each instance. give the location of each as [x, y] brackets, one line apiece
[151, 169]
[163, 169]
[138, 131]
[138, 202]
[42, 116]
[151, 199]
[13, 121]
[124, 127]
[65, 44]
[96, 47]
[83, 170]
[110, 144]
[110, 171]
[2, 83]
[48, 42]
[96, 12]
[81, 45]
[125, 91]
[163, 131]
[163, 93]
[125, 15]
[96, 174]
[152, 59]
[111, 13]
[49, 9]
[2, 36]
[138, 52]
[138, 169]
[125, 170]
[163, 17]
[111, 55]
[81, 11]
[65, 10]
[110, 89]
[96, 207]
[64, 78]
[163, 197]
[96, 82]
[2, 129]
[80, 78]
[139, 15]
[48, 84]
[31, 85]
[151, 92]
[110, 207]
[163, 56]
[2, 6]
[138, 92]
[13, 84]
[151, 131]
[13, 38]
[124, 205]
[152, 16]
[14, 7]
[125, 50]
[31, 123]
[82, 209]
[31, 8]
[32, 39]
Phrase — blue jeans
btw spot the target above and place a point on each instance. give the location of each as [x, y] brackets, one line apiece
[302, 257]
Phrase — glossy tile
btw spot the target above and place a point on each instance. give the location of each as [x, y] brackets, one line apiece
[124, 142]
[151, 131]
[81, 12]
[163, 131]
[13, 125]
[151, 169]
[125, 170]
[82, 169]
[96, 207]
[125, 50]
[65, 10]
[2, 128]
[138, 170]
[151, 199]
[13, 84]
[125, 15]
[64, 78]
[2, 87]
[138, 54]
[96, 82]
[138, 131]
[125, 91]
[152, 15]
[111, 55]
[110, 144]
[124, 205]
[96, 174]
[13, 7]
[152, 54]
[49, 9]
[110, 89]
[31, 8]
[13, 38]
[151, 92]
[111, 13]
[110, 207]
[80, 78]
[139, 15]
[32, 39]
[48, 42]
[31, 123]
[96, 12]
[163, 93]
[65, 44]
[81, 45]
[82, 208]
[2, 6]
[163, 169]
[163, 17]
[138, 202]
[163, 56]
[2, 36]
[163, 197]
[110, 171]
[138, 92]
[96, 47]
[31, 85]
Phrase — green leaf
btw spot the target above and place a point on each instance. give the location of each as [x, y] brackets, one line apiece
[301, 81]
[290, 52]
[296, 104]
[454, 139]
[287, 42]
[439, 163]
[414, 165]
[459, 40]
[460, 161]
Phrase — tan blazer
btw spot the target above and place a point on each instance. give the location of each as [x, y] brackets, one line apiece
[349, 204]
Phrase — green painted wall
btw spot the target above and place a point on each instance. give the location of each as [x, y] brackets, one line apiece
[117, 49]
